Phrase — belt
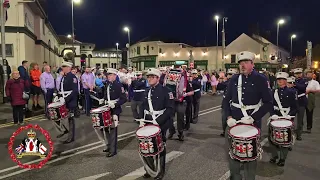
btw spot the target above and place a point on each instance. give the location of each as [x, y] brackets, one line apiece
[156, 113]
[139, 90]
[246, 107]
[283, 109]
[300, 95]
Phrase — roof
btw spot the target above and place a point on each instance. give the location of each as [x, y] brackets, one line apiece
[159, 38]
[107, 49]
[65, 40]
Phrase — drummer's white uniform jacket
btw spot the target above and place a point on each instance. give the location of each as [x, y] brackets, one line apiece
[162, 102]
[253, 97]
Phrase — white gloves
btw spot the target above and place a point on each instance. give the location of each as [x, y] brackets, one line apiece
[231, 122]
[112, 105]
[246, 120]
[101, 101]
[274, 117]
[56, 99]
[115, 120]
[61, 99]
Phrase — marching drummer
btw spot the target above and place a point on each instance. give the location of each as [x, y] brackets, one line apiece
[69, 91]
[230, 73]
[301, 86]
[158, 101]
[180, 109]
[196, 85]
[139, 87]
[247, 100]
[114, 97]
[285, 104]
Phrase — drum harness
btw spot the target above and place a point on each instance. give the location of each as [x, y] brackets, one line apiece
[156, 159]
[244, 108]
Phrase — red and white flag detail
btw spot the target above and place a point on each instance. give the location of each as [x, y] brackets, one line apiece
[42, 149]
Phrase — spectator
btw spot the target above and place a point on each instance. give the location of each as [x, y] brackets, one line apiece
[23, 71]
[35, 87]
[14, 90]
[43, 65]
[214, 83]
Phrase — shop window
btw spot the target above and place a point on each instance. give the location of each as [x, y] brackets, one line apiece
[233, 58]
[138, 50]
[9, 50]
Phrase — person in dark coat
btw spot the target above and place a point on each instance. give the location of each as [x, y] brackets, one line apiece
[14, 90]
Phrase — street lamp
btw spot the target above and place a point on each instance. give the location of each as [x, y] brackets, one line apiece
[217, 19]
[224, 19]
[72, 22]
[69, 36]
[281, 21]
[117, 44]
[292, 37]
[126, 29]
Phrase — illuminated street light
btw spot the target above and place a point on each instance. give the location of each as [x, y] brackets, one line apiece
[281, 21]
[292, 37]
[69, 36]
[217, 19]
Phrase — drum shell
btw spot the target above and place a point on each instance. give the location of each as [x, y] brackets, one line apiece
[281, 135]
[58, 113]
[238, 146]
[157, 145]
[105, 119]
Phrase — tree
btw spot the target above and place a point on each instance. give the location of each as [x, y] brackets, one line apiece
[299, 63]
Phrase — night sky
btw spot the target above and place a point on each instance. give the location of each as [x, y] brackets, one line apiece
[189, 21]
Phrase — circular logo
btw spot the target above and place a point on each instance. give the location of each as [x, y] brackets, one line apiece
[30, 146]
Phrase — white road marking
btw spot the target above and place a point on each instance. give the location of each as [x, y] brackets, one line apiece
[132, 133]
[227, 174]
[94, 177]
[140, 172]
[60, 158]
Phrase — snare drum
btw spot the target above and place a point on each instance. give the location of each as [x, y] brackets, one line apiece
[281, 132]
[101, 117]
[58, 111]
[244, 142]
[150, 140]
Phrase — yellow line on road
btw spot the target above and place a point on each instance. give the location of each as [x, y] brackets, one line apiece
[26, 120]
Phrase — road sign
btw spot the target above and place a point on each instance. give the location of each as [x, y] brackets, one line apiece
[191, 65]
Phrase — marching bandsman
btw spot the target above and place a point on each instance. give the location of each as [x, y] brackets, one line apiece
[69, 92]
[230, 73]
[158, 105]
[196, 85]
[114, 97]
[180, 109]
[285, 102]
[301, 85]
[312, 88]
[139, 87]
[248, 99]
[189, 105]
[163, 77]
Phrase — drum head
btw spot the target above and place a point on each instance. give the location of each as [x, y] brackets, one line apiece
[244, 131]
[56, 104]
[148, 130]
[281, 123]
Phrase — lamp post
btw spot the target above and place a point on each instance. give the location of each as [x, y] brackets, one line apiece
[72, 22]
[117, 44]
[126, 29]
[281, 21]
[224, 19]
[217, 19]
[291, 38]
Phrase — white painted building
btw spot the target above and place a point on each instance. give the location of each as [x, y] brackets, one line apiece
[157, 53]
[107, 58]
[30, 36]
[266, 52]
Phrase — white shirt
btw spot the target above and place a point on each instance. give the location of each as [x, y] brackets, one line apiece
[313, 85]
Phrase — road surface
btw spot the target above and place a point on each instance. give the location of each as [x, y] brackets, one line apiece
[200, 157]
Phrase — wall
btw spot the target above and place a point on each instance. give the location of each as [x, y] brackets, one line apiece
[16, 14]
[143, 48]
[106, 61]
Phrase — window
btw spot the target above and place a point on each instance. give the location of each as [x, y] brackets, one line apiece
[160, 50]
[147, 49]
[89, 47]
[9, 50]
[43, 27]
[152, 48]
[83, 47]
[104, 65]
[97, 64]
[233, 58]
[49, 44]
[138, 50]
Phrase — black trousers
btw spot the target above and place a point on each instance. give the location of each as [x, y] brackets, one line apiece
[18, 113]
[180, 109]
[150, 161]
[309, 114]
[196, 107]
[188, 114]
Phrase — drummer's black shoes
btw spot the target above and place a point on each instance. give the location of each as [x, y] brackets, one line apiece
[110, 155]
[181, 137]
[146, 175]
[222, 134]
[106, 150]
[281, 163]
[299, 138]
[273, 160]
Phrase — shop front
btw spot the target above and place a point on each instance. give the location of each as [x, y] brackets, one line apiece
[201, 64]
[144, 62]
[198, 64]
[271, 67]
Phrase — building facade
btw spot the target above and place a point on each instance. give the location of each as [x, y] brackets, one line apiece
[30, 36]
[148, 54]
[107, 58]
[268, 55]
